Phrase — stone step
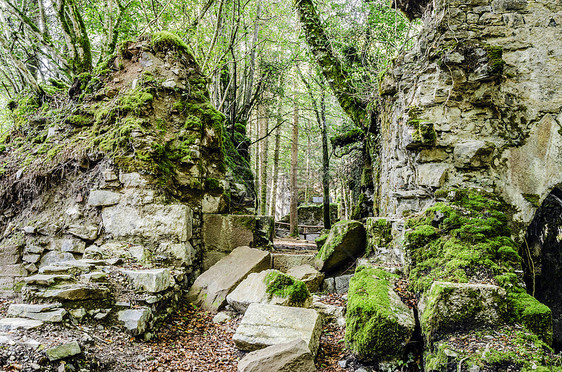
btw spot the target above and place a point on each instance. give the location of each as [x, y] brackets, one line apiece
[75, 292]
[47, 279]
[50, 313]
[153, 280]
[264, 325]
[286, 261]
[12, 324]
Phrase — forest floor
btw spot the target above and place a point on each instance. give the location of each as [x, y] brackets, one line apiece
[188, 341]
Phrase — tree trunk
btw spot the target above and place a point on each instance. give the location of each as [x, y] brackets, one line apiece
[293, 222]
[273, 200]
[263, 144]
[325, 164]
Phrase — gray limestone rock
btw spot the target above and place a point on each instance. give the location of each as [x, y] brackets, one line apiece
[253, 289]
[309, 275]
[153, 280]
[154, 221]
[103, 198]
[265, 325]
[473, 154]
[211, 288]
[286, 261]
[136, 321]
[76, 292]
[63, 351]
[293, 356]
[12, 324]
[46, 280]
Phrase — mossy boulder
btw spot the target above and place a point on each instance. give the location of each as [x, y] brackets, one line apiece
[269, 287]
[346, 241]
[450, 307]
[378, 323]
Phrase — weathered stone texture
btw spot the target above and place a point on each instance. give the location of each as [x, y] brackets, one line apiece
[488, 85]
[211, 288]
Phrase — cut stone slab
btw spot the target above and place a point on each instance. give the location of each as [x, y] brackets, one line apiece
[153, 280]
[346, 241]
[293, 356]
[63, 351]
[211, 288]
[223, 233]
[136, 321]
[12, 324]
[46, 280]
[20, 310]
[309, 275]
[253, 289]
[76, 292]
[52, 316]
[286, 261]
[447, 307]
[265, 325]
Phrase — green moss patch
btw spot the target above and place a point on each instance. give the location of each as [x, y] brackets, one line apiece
[378, 324]
[285, 286]
[468, 239]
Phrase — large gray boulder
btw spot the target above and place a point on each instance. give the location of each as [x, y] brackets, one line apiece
[257, 288]
[293, 356]
[346, 241]
[211, 288]
[264, 325]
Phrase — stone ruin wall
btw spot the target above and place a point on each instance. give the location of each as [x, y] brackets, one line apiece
[476, 103]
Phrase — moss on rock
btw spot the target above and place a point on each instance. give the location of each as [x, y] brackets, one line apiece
[378, 324]
[345, 241]
[467, 239]
[285, 286]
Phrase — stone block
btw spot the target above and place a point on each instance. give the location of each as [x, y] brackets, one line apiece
[53, 257]
[223, 233]
[103, 198]
[46, 280]
[346, 241]
[432, 174]
[136, 321]
[13, 324]
[264, 325]
[309, 275]
[253, 289]
[153, 280]
[447, 307]
[84, 231]
[132, 180]
[63, 351]
[182, 254]
[48, 313]
[211, 288]
[76, 292]
[152, 221]
[378, 323]
[293, 356]
[473, 154]
[13, 270]
[286, 261]
[9, 254]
